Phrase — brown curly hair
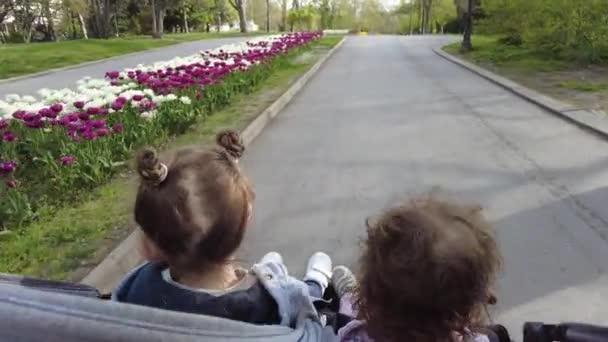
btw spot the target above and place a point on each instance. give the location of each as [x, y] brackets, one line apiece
[426, 272]
[195, 204]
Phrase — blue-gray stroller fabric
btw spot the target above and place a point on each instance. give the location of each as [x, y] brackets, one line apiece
[28, 314]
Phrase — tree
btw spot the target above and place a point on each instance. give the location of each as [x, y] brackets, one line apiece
[267, 15]
[239, 6]
[283, 15]
[444, 11]
[427, 5]
[6, 8]
[79, 8]
[467, 45]
[25, 16]
[100, 17]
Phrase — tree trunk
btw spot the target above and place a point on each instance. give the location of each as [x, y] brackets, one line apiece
[74, 25]
[467, 45]
[411, 16]
[116, 25]
[50, 25]
[242, 19]
[154, 24]
[83, 26]
[160, 22]
[283, 15]
[421, 17]
[427, 17]
[186, 28]
[267, 15]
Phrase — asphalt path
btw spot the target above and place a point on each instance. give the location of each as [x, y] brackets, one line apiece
[386, 119]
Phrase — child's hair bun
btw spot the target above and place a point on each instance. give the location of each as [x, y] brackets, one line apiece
[150, 168]
[232, 142]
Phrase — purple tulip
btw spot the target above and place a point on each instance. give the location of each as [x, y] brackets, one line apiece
[73, 127]
[7, 167]
[79, 104]
[11, 183]
[67, 160]
[138, 97]
[93, 110]
[48, 113]
[31, 117]
[3, 124]
[117, 128]
[57, 108]
[84, 116]
[97, 124]
[116, 105]
[34, 124]
[19, 114]
[112, 74]
[103, 111]
[89, 135]
[9, 136]
[102, 132]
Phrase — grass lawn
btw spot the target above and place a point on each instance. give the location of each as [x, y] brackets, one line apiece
[65, 243]
[585, 86]
[22, 59]
[487, 50]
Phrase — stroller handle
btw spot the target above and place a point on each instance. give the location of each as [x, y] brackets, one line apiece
[565, 332]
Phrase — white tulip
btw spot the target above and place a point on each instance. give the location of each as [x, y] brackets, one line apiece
[185, 100]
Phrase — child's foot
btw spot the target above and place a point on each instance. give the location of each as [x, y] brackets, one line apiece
[344, 281]
[272, 257]
[319, 269]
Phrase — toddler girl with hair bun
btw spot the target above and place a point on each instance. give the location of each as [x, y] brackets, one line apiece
[193, 209]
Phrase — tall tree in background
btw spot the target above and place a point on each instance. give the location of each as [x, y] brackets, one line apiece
[239, 6]
[267, 15]
[100, 18]
[159, 10]
[6, 8]
[23, 11]
[79, 8]
[443, 12]
[427, 5]
[283, 15]
[467, 45]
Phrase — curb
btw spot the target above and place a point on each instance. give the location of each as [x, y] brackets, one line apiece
[125, 256]
[579, 116]
[98, 61]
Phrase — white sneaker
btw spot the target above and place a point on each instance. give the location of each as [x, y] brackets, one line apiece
[344, 281]
[272, 257]
[319, 269]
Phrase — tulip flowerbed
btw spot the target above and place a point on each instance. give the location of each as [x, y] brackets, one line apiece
[67, 141]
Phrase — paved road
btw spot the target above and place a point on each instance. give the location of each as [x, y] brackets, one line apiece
[68, 78]
[387, 119]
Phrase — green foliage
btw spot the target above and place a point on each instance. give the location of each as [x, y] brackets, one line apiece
[302, 18]
[574, 30]
[488, 50]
